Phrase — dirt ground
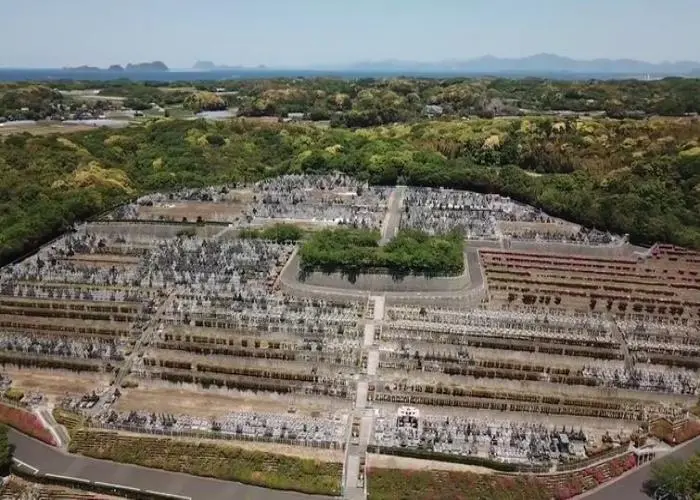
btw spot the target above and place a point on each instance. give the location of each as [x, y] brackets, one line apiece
[221, 212]
[47, 491]
[105, 257]
[44, 129]
[392, 462]
[54, 384]
[211, 404]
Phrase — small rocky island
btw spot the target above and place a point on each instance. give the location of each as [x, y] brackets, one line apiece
[143, 66]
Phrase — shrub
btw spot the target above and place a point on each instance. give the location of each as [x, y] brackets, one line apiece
[221, 461]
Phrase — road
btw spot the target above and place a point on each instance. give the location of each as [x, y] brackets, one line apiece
[50, 460]
[392, 218]
[629, 487]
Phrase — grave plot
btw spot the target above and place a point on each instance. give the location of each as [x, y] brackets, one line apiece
[72, 307]
[488, 216]
[327, 199]
[545, 357]
[505, 439]
[270, 345]
[215, 204]
[654, 287]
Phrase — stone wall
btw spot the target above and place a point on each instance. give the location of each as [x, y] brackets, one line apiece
[382, 282]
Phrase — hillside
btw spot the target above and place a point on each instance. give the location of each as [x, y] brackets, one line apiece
[636, 177]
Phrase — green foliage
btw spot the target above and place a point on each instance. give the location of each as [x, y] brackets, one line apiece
[69, 419]
[204, 101]
[218, 460]
[279, 233]
[29, 103]
[404, 484]
[5, 450]
[636, 177]
[357, 250]
[14, 394]
[677, 478]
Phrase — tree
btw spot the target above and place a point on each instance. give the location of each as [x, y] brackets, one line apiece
[5, 451]
[679, 479]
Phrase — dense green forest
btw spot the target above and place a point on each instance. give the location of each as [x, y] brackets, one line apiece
[640, 177]
[356, 250]
[376, 101]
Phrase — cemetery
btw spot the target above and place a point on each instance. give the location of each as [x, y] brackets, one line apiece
[517, 340]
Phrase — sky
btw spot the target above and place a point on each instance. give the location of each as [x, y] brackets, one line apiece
[307, 33]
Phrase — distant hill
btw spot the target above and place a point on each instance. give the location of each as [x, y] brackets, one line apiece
[204, 66]
[81, 68]
[147, 66]
[210, 66]
[536, 64]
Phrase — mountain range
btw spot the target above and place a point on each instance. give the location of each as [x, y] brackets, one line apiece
[541, 63]
[531, 65]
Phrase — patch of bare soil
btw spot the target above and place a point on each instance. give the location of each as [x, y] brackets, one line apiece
[392, 462]
[54, 384]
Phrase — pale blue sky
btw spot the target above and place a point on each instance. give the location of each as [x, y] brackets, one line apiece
[302, 33]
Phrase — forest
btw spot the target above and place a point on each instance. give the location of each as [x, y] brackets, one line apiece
[640, 177]
[373, 101]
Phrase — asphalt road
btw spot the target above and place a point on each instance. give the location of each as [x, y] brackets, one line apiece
[630, 487]
[50, 460]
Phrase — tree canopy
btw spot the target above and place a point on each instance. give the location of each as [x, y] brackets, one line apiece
[680, 480]
[625, 176]
[353, 251]
[5, 451]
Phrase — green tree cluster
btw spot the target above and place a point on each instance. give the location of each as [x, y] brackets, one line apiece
[5, 451]
[676, 479]
[204, 101]
[353, 251]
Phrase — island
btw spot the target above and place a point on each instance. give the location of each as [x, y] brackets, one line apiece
[211, 66]
[147, 66]
[143, 66]
[81, 68]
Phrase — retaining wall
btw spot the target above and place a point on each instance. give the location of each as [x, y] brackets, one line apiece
[379, 282]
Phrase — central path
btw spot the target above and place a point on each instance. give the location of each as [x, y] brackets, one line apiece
[362, 418]
[392, 219]
[137, 351]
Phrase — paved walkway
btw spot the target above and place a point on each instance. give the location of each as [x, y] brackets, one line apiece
[36, 456]
[354, 480]
[392, 219]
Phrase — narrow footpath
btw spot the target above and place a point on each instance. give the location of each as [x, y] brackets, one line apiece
[362, 418]
[392, 218]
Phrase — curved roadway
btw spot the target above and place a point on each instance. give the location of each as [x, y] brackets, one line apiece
[47, 459]
[630, 486]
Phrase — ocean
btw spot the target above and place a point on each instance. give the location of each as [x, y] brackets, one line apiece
[58, 74]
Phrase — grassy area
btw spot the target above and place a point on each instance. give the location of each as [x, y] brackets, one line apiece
[221, 461]
[395, 484]
[179, 112]
[70, 420]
